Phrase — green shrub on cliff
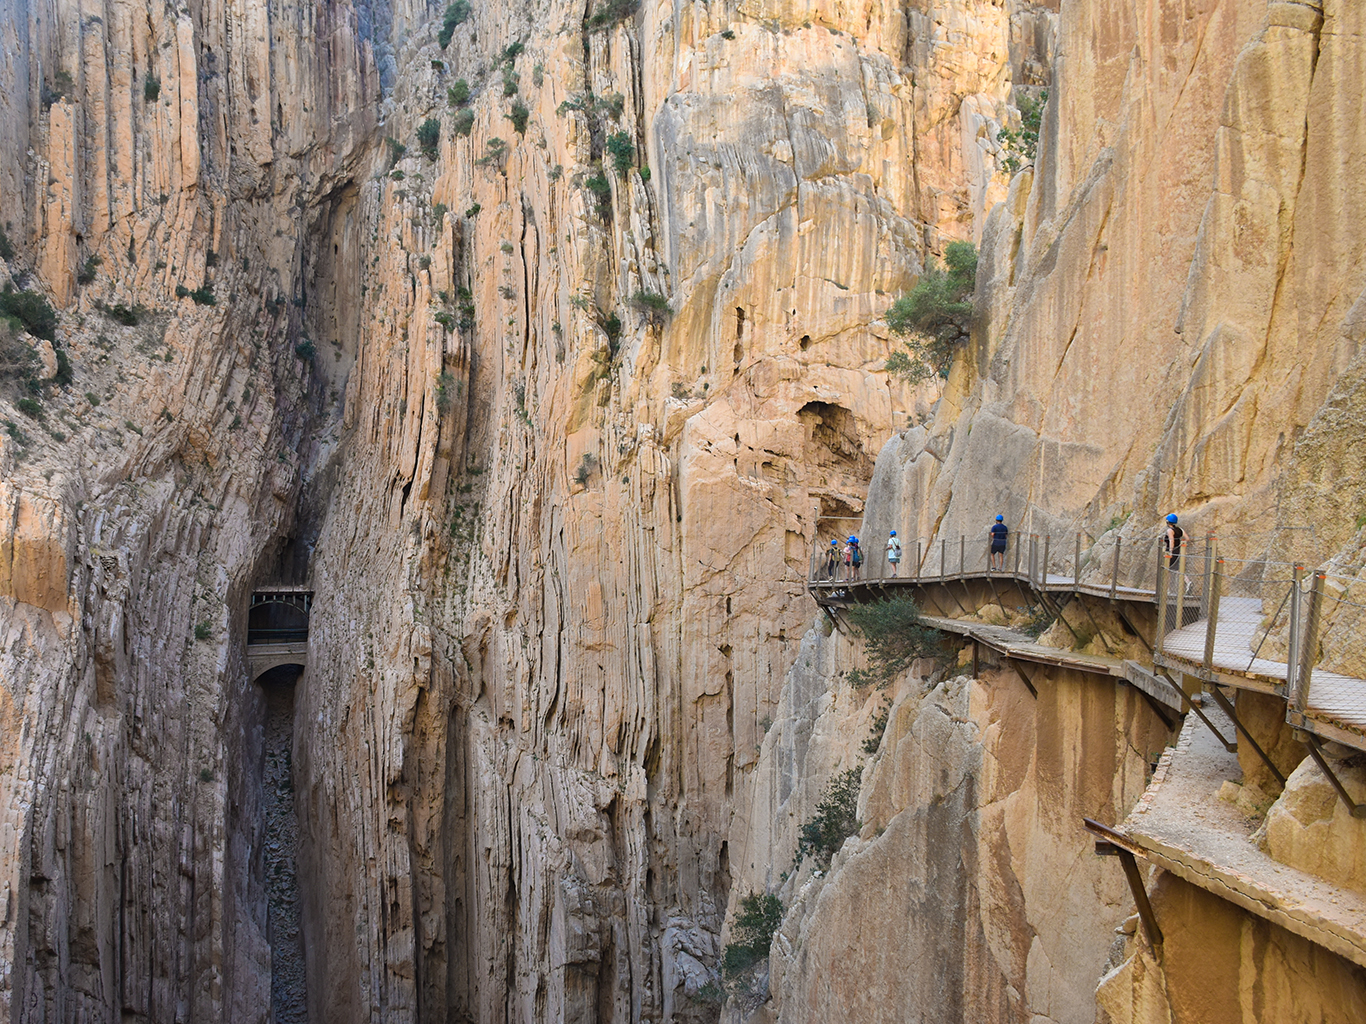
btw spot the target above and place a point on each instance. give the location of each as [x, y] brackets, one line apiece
[755, 925]
[429, 137]
[1022, 143]
[836, 818]
[29, 310]
[893, 636]
[935, 316]
[456, 14]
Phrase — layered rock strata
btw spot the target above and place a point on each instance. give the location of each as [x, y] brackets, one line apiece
[548, 433]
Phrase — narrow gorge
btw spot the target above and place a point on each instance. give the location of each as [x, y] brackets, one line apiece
[423, 426]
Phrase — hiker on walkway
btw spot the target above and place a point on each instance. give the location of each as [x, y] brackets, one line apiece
[853, 558]
[893, 551]
[999, 533]
[832, 559]
[1173, 538]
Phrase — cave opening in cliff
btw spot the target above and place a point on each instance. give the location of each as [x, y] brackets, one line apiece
[279, 848]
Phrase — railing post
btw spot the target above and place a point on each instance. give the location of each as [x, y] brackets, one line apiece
[1017, 554]
[1180, 587]
[1216, 579]
[962, 553]
[1292, 664]
[1043, 569]
[943, 557]
[1162, 585]
[1309, 646]
[917, 558]
[1210, 542]
[1033, 555]
[1114, 576]
[815, 540]
[1076, 566]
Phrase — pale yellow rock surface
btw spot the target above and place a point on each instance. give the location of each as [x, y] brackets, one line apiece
[1220, 965]
[557, 569]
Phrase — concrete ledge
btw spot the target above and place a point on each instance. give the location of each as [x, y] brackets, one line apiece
[1183, 827]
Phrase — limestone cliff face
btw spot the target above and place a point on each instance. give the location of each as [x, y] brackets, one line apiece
[556, 542]
[557, 532]
[1172, 322]
[1184, 261]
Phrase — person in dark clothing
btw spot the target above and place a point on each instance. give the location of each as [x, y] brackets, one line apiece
[832, 560]
[1173, 537]
[999, 532]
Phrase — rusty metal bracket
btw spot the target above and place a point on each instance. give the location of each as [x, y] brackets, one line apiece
[1316, 752]
[1159, 709]
[1015, 664]
[1113, 843]
[1186, 702]
[1223, 702]
[1132, 628]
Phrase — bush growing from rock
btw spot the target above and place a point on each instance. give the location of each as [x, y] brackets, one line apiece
[429, 137]
[456, 14]
[935, 316]
[755, 924]
[836, 818]
[893, 636]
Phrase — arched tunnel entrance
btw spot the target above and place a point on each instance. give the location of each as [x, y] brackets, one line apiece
[280, 846]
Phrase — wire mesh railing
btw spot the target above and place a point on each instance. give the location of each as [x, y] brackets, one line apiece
[1075, 560]
[1266, 620]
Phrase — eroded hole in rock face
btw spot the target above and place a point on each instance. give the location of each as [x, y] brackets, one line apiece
[280, 850]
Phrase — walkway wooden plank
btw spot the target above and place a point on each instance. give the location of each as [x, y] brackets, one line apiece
[1023, 647]
[1182, 826]
[1336, 705]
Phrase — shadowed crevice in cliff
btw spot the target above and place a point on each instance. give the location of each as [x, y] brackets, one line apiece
[280, 844]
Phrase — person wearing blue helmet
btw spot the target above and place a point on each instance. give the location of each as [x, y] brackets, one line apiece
[893, 551]
[1173, 537]
[853, 558]
[999, 534]
[832, 559]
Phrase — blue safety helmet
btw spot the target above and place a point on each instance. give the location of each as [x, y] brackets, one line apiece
[1171, 517]
[1000, 519]
[893, 533]
[834, 543]
[853, 539]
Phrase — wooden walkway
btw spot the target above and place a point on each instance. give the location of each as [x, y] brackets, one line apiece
[1336, 706]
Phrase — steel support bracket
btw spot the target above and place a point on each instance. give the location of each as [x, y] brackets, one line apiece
[1316, 752]
[1186, 702]
[1224, 703]
[1115, 844]
[1023, 677]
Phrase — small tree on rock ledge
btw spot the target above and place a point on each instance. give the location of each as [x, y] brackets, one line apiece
[935, 316]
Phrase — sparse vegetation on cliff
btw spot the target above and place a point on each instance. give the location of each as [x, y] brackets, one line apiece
[759, 918]
[1022, 143]
[456, 15]
[6, 248]
[623, 151]
[30, 311]
[609, 12]
[87, 272]
[893, 636]
[459, 93]
[935, 316]
[429, 138]
[654, 306]
[518, 116]
[836, 818]
[151, 88]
